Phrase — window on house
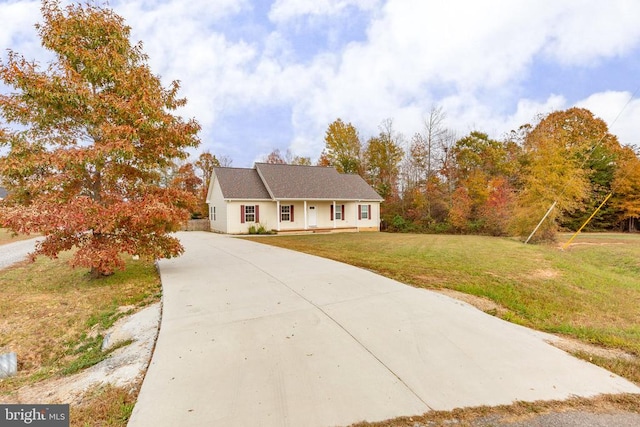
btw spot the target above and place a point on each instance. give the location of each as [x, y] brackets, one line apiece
[286, 213]
[214, 213]
[250, 213]
[338, 214]
[364, 211]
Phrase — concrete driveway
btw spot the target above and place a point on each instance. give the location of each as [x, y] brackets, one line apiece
[253, 335]
[13, 252]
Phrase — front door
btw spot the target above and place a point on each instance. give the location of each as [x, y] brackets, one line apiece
[312, 217]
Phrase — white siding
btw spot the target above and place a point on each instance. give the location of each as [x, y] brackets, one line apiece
[373, 222]
[267, 216]
[298, 216]
[216, 200]
[323, 214]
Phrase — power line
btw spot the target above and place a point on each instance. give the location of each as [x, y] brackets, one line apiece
[582, 166]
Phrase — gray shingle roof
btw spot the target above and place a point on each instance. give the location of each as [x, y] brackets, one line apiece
[292, 182]
[240, 183]
[313, 183]
[359, 188]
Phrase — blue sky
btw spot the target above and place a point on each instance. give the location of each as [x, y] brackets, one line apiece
[260, 75]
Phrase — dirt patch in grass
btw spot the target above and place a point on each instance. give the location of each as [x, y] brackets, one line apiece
[544, 273]
[481, 303]
[428, 281]
[575, 244]
[590, 351]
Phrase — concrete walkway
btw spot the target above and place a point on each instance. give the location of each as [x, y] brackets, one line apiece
[16, 251]
[253, 335]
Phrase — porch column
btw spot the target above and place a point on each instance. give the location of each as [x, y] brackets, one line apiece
[278, 214]
[334, 214]
[305, 215]
[355, 213]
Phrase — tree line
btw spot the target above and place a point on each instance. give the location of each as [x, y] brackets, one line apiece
[439, 182]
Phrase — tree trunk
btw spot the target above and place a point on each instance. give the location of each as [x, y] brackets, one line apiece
[96, 273]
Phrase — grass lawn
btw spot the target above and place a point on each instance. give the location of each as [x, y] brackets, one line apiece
[54, 318]
[591, 291]
[6, 236]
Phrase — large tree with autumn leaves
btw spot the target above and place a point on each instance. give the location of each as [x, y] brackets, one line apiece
[86, 142]
[568, 162]
[343, 149]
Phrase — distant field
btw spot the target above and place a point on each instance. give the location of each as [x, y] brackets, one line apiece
[591, 291]
[6, 236]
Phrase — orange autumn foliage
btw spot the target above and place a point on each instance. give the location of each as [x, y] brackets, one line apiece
[90, 136]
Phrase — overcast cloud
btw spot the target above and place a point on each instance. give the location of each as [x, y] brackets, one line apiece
[261, 75]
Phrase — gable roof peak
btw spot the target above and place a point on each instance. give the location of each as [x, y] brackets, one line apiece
[284, 181]
[240, 183]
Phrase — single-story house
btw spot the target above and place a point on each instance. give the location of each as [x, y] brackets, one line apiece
[284, 197]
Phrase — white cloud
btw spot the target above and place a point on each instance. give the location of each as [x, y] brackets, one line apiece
[18, 26]
[287, 10]
[471, 57]
[182, 45]
[394, 73]
[529, 111]
[619, 111]
[586, 31]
